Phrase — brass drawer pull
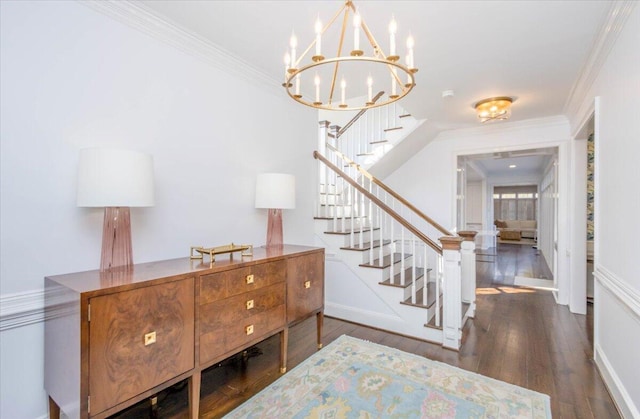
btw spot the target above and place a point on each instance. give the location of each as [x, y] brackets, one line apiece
[249, 279]
[150, 338]
[249, 304]
[307, 284]
[249, 330]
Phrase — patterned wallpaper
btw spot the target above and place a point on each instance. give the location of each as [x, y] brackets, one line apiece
[590, 168]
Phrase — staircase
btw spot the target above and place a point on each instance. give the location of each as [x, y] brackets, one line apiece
[389, 266]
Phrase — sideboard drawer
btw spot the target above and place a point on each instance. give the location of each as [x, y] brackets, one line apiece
[237, 281]
[139, 339]
[217, 341]
[221, 313]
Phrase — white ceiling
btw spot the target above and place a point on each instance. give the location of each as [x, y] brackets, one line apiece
[528, 163]
[530, 50]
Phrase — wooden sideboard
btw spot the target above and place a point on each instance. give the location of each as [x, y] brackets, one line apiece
[115, 338]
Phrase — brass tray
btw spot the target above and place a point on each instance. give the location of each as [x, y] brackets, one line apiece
[198, 252]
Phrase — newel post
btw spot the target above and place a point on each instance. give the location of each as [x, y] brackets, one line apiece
[452, 292]
[323, 137]
[468, 255]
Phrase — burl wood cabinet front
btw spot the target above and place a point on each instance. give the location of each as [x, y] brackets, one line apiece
[305, 287]
[139, 339]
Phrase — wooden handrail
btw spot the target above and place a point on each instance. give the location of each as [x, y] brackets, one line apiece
[406, 224]
[390, 191]
[358, 115]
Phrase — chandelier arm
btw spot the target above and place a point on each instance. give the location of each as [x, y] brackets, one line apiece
[358, 115]
[377, 50]
[340, 43]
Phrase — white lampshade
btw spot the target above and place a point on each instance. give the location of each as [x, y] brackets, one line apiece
[115, 178]
[276, 190]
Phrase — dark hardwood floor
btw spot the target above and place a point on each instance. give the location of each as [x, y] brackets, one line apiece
[519, 335]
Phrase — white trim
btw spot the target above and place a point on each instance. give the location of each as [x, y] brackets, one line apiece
[142, 18]
[611, 27]
[619, 393]
[21, 309]
[492, 130]
[619, 289]
[28, 307]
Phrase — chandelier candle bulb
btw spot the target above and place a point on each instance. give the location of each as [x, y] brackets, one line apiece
[393, 27]
[343, 87]
[293, 43]
[318, 37]
[410, 44]
[316, 81]
[393, 84]
[356, 32]
[287, 66]
[369, 89]
[298, 86]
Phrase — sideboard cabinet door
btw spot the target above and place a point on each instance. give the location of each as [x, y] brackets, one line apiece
[139, 339]
[305, 286]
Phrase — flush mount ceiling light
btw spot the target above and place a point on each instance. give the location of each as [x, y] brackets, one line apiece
[495, 108]
[363, 68]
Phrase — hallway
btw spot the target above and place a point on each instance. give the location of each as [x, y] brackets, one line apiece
[519, 335]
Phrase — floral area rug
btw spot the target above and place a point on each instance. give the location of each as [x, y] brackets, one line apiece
[351, 378]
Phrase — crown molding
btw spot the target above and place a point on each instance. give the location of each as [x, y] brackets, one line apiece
[143, 19]
[558, 121]
[611, 27]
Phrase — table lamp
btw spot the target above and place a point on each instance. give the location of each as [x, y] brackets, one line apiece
[116, 180]
[275, 191]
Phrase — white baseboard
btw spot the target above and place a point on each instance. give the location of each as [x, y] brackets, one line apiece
[629, 300]
[620, 396]
[377, 320]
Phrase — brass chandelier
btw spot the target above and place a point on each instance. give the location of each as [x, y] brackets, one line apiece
[366, 68]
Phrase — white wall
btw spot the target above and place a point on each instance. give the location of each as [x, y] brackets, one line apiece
[432, 170]
[617, 201]
[71, 78]
[474, 204]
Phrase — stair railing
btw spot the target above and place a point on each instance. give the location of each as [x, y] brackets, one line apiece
[389, 192]
[364, 137]
[388, 239]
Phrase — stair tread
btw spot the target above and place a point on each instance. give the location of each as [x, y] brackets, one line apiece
[408, 278]
[386, 261]
[379, 142]
[365, 154]
[348, 231]
[393, 129]
[431, 297]
[366, 245]
[405, 115]
[355, 217]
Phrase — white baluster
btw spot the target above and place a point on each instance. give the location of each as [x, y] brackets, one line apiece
[413, 268]
[425, 266]
[402, 275]
[351, 205]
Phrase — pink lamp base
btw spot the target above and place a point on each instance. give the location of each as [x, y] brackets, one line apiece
[116, 239]
[274, 228]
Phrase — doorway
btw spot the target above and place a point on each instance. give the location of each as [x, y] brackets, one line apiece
[525, 184]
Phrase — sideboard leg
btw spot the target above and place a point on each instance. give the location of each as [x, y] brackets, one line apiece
[319, 324]
[284, 341]
[194, 395]
[54, 409]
